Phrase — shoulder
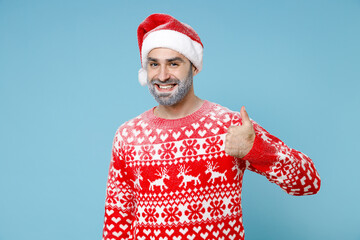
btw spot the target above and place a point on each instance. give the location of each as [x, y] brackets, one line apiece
[131, 127]
[223, 114]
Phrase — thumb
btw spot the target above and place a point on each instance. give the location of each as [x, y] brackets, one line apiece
[244, 115]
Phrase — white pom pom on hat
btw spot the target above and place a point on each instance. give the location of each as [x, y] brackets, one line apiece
[142, 76]
[162, 30]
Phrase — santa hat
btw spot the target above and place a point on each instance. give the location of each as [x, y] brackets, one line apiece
[162, 30]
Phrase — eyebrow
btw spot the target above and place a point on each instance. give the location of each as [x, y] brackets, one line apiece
[150, 59]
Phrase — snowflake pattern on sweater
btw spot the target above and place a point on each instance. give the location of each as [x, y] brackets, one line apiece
[171, 179]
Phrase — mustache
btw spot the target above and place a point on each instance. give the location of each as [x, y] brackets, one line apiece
[169, 81]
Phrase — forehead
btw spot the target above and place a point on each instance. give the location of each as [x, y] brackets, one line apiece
[165, 54]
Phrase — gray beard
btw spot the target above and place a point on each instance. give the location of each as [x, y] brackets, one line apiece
[169, 99]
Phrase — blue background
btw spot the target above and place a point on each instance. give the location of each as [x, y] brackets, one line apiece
[68, 79]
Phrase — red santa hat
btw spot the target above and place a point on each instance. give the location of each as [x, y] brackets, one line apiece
[162, 30]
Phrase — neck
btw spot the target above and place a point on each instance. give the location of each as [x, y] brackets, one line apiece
[188, 105]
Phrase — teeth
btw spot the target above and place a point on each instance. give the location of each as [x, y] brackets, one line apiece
[165, 86]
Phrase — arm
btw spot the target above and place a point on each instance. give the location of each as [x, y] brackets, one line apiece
[119, 201]
[292, 170]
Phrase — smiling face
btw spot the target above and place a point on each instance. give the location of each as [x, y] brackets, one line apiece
[170, 76]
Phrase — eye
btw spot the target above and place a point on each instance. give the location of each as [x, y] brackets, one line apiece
[153, 64]
[174, 64]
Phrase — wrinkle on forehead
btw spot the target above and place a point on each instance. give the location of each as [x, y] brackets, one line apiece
[166, 54]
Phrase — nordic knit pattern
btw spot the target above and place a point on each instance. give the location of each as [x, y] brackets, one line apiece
[171, 179]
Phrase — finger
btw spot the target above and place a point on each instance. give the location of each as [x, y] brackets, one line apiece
[244, 115]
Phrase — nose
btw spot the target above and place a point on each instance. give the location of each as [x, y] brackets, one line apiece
[163, 73]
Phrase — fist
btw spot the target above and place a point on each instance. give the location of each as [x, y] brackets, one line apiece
[240, 139]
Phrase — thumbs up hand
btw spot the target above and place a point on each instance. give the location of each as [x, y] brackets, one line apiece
[240, 139]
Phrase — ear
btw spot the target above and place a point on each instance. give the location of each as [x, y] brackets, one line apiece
[194, 70]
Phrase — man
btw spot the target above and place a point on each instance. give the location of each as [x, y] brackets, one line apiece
[176, 170]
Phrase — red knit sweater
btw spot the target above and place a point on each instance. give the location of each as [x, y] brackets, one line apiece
[171, 179]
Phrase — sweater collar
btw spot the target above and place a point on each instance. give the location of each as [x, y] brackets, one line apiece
[175, 123]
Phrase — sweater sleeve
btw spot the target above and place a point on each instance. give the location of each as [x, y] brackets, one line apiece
[119, 204]
[292, 170]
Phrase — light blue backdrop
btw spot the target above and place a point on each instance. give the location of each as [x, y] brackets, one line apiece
[68, 79]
